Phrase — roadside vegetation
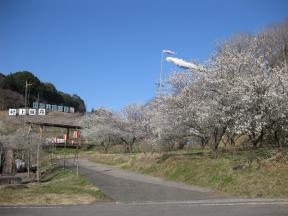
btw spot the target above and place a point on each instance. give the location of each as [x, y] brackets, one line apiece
[257, 174]
[56, 188]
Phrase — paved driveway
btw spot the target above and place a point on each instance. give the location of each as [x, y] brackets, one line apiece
[125, 186]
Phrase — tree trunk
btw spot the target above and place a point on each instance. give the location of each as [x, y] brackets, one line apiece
[204, 142]
[255, 140]
[181, 145]
[9, 163]
[277, 138]
[105, 146]
[128, 146]
[218, 134]
[132, 144]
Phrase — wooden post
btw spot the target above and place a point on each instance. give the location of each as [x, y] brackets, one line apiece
[28, 160]
[65, 144]
[38, 153]
[77, 138]
[77, 163]
[29, 147]
[64, 162]
[78, 146]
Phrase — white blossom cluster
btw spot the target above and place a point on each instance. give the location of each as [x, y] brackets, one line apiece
[243, 90]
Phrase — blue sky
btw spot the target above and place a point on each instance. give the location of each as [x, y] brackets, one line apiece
[108, 51]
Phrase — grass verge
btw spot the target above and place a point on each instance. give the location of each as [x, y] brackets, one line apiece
[246, 175]
[58, 188]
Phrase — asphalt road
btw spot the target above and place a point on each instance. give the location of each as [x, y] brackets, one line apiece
[124, 186]
[142, 195]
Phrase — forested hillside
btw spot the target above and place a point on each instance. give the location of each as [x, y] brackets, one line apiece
[12, 90]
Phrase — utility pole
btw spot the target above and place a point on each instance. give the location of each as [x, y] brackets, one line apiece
[160, 75]
[167, 52]
[26, 101]
[27, 94]
[25, 98]
[159, 90]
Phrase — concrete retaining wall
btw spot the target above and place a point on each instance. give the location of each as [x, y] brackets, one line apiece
[5, 180]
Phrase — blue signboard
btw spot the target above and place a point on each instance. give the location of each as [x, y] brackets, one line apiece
[42, 106]
[48, 107]
[35, 105]
[54, 108]
[60, 108]
[66, 109]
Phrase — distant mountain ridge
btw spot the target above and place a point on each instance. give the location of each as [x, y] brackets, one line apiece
[12, 91]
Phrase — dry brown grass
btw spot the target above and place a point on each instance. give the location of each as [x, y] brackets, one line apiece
[66, 188]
